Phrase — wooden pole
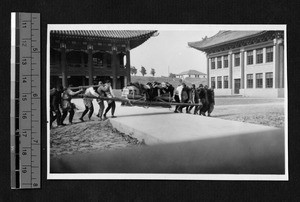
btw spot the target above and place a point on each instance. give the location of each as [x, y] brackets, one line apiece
[140, 102]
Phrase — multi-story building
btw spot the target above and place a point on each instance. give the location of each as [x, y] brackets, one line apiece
[79, 57]
[249, 63]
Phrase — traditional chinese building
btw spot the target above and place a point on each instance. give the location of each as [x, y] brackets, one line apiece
[249, 63]
[79, 57]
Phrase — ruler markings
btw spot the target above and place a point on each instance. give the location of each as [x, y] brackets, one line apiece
[24, 147]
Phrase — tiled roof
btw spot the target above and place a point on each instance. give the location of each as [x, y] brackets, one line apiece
[223, 37]
[191, 72]
[115, 34]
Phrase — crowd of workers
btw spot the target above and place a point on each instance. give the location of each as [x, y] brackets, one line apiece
[61, 105]
[203, 97]
[200, 98]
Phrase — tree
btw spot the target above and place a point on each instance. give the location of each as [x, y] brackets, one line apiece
[171, 75]
[152, 71]
[133, 70]
[143, 71]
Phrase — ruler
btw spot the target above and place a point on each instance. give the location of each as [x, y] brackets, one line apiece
[25, 101]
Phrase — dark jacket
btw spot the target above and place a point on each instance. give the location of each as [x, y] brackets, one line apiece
[202, 93]
[185, 94]
[211, 96]
[55, 99]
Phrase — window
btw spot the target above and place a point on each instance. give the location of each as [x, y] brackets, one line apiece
[219, 62]
[213, 63]
[269, 55]
[219, 79]
[225, 81]
[213, 82]
[249, 80]
[226, 61]
[259, 80]
[97, 62]
[249, 57]
[269, 80]
[259, 56]
[237, 59]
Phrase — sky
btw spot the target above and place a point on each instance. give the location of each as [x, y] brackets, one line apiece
[169, 52]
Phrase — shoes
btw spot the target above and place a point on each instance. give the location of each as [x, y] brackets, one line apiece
[62, 124]
[98, 115]
[113, 116]
[175, 111]
[81, 119]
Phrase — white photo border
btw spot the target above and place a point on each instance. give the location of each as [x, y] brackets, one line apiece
[146, 176]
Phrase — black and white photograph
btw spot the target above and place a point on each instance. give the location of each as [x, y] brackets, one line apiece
[146, 101]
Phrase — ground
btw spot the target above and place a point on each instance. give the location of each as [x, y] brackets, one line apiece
[86, 137]
[99, 135]
[269, 112]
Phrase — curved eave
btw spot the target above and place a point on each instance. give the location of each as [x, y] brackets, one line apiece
[204, 49]
[134, 40]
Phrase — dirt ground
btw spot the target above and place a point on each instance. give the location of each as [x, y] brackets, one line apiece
[264, 114]
[86, 137]
[264, 111]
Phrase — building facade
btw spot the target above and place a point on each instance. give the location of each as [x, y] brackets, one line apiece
[248, 63]
[191, 74]
[79, 57]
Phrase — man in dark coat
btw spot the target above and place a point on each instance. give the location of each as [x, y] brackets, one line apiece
[211, 100]
[194, 97]
[55, 102]
[203, 98]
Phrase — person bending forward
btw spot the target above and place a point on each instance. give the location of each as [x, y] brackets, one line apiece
[88, 102]
[67, 106]
[111, 103]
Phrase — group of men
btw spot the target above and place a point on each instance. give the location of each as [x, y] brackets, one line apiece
[202, 95]
[61, 105]
[152, 89]
[201, 98]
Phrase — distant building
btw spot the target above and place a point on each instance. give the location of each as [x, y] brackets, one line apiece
[79, 57]
[249, 63]
[191, 73]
